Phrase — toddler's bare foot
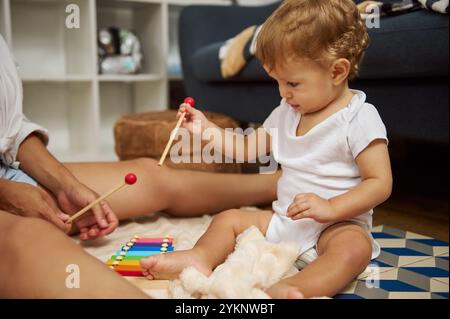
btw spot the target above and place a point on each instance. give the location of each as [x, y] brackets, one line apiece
[284, 291]
[170, 265]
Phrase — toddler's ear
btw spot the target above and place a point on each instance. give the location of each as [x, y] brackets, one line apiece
[340, 70]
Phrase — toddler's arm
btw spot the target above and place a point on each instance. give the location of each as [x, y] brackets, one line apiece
[232, 144]
[376, 182]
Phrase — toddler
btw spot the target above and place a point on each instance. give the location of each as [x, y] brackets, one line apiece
[331, 145]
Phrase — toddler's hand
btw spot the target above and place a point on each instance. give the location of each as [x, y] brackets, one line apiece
[193, 117]
[309, 205]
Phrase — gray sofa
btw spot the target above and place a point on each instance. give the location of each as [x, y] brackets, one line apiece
[404, 73]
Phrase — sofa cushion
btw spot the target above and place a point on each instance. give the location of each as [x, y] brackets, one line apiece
[406, 46]
[206, 66]
[409, 45]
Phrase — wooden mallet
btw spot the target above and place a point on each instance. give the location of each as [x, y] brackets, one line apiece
[189, 101]
[130, 179]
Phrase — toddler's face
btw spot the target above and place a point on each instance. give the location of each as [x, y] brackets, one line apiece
[306, 85]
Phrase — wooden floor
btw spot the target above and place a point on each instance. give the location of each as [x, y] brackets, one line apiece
[424, 215]
[419, 201]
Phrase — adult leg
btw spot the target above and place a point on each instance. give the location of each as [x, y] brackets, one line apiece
[178, 192]
[35, 255]
[344, 252]
[211, 249]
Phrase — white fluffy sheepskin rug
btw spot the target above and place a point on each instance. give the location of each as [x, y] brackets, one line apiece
[255, 265]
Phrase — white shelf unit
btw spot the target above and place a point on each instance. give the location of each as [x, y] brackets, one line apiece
[58, 67]
[147, 91]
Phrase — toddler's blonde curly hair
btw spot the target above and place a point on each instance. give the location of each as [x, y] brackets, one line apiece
[321, 30]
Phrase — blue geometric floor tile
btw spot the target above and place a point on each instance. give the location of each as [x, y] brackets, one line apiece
[396, 285]
[440, 294]
[384, 289]
[403, 252]
[378, 235]
[441, 263]
[431, 242]
[421, 280]
[428, 271]
[394, 231]
[410, 266]
[431, 247]
[400, 256]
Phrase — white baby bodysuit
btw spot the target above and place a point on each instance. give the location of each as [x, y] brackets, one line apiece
[322, 162]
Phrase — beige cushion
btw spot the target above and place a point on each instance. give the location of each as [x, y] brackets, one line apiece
[146, 135]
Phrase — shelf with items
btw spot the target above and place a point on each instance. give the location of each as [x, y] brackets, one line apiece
[44, 47]
[121, 94]
[142, 18]
[59, 69]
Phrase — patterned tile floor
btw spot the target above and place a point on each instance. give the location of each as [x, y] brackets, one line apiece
[410, 266]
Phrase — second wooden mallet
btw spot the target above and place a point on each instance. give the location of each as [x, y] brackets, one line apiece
[130, 179]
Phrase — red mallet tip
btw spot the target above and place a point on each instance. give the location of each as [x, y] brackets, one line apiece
[130, 179]
[189, 101]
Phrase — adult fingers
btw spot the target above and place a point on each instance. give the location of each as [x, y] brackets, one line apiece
[51, 213]
[93, 232]
[85, 221]
[99, 215]
[84, 233]
[64, 217]
[111, 218]
[84, 236]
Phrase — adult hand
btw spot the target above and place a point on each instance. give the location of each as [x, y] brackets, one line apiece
[30, 201]
[99, 221]
[70, 194]
[309, 205]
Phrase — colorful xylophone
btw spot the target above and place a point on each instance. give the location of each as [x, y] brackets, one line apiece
[126, 261]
